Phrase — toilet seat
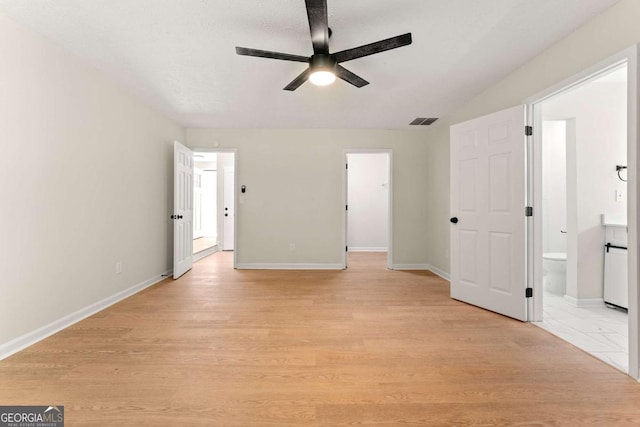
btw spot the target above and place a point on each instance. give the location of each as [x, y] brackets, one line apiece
[555, 256]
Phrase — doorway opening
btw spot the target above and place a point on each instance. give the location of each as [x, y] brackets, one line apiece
[368, 206]
[213, 203]
[583, 163]
[205, 228]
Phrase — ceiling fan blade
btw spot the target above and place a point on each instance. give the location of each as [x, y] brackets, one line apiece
[319, 25]
[297, 82]
[268, 54]
[371, 48]
[349, 77]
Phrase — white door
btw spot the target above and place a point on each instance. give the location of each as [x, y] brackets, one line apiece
[182, 209]
[228, 198]
[488, 264]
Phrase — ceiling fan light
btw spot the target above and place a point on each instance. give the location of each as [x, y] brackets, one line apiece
[322, 78]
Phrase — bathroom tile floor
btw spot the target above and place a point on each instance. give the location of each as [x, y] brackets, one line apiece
[600, 331]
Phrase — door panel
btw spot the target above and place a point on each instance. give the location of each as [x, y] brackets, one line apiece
[182, 209]
[500, 262]
[467, 185]
[499, 180]
[488, 198]
[467, 256]
[228, 197]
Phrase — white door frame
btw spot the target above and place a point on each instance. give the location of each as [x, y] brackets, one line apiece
[345, 199]
[234, 151]
[228, 239]
[630, 57]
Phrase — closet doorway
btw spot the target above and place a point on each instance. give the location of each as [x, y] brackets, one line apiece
[368, 195]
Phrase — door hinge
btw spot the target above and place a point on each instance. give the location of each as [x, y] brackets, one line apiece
[346, 207]
[528, 211]
[346, 165]
[346, 248]
[528, 130]
[528, 292]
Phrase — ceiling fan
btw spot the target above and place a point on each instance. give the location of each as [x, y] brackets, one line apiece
[323, 66]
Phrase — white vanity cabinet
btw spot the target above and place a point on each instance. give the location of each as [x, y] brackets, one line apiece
[616, 289]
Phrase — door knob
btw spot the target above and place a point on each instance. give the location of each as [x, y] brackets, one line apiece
[454, 220]
[226, 214]
[179, 216]
[226, 209]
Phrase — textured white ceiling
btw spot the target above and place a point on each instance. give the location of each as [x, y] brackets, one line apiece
[180, 54]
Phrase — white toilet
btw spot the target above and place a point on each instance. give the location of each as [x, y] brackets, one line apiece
[554, 266]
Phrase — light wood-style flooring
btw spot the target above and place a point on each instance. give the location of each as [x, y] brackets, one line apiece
[202, 243]
[365, 346]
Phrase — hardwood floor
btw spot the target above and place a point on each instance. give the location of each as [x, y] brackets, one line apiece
[362, 346]
[202, 243]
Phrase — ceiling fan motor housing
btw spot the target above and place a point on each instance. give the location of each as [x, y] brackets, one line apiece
[323, 62]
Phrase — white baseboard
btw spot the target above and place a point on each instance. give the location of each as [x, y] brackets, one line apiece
[367, 249]
[585, 302]
[30, 338]
[410, 266]
[440, 273]
[275, 266]
[205, 253]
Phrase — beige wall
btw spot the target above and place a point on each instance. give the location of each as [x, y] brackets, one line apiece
[607, 34]
[84, 173]
[294, 192]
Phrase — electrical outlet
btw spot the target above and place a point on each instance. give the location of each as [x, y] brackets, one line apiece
[292, 247]
[118, 267]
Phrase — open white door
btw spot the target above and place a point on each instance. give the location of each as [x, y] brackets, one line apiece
[488, 264]
[228, 198]
[182, 210]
